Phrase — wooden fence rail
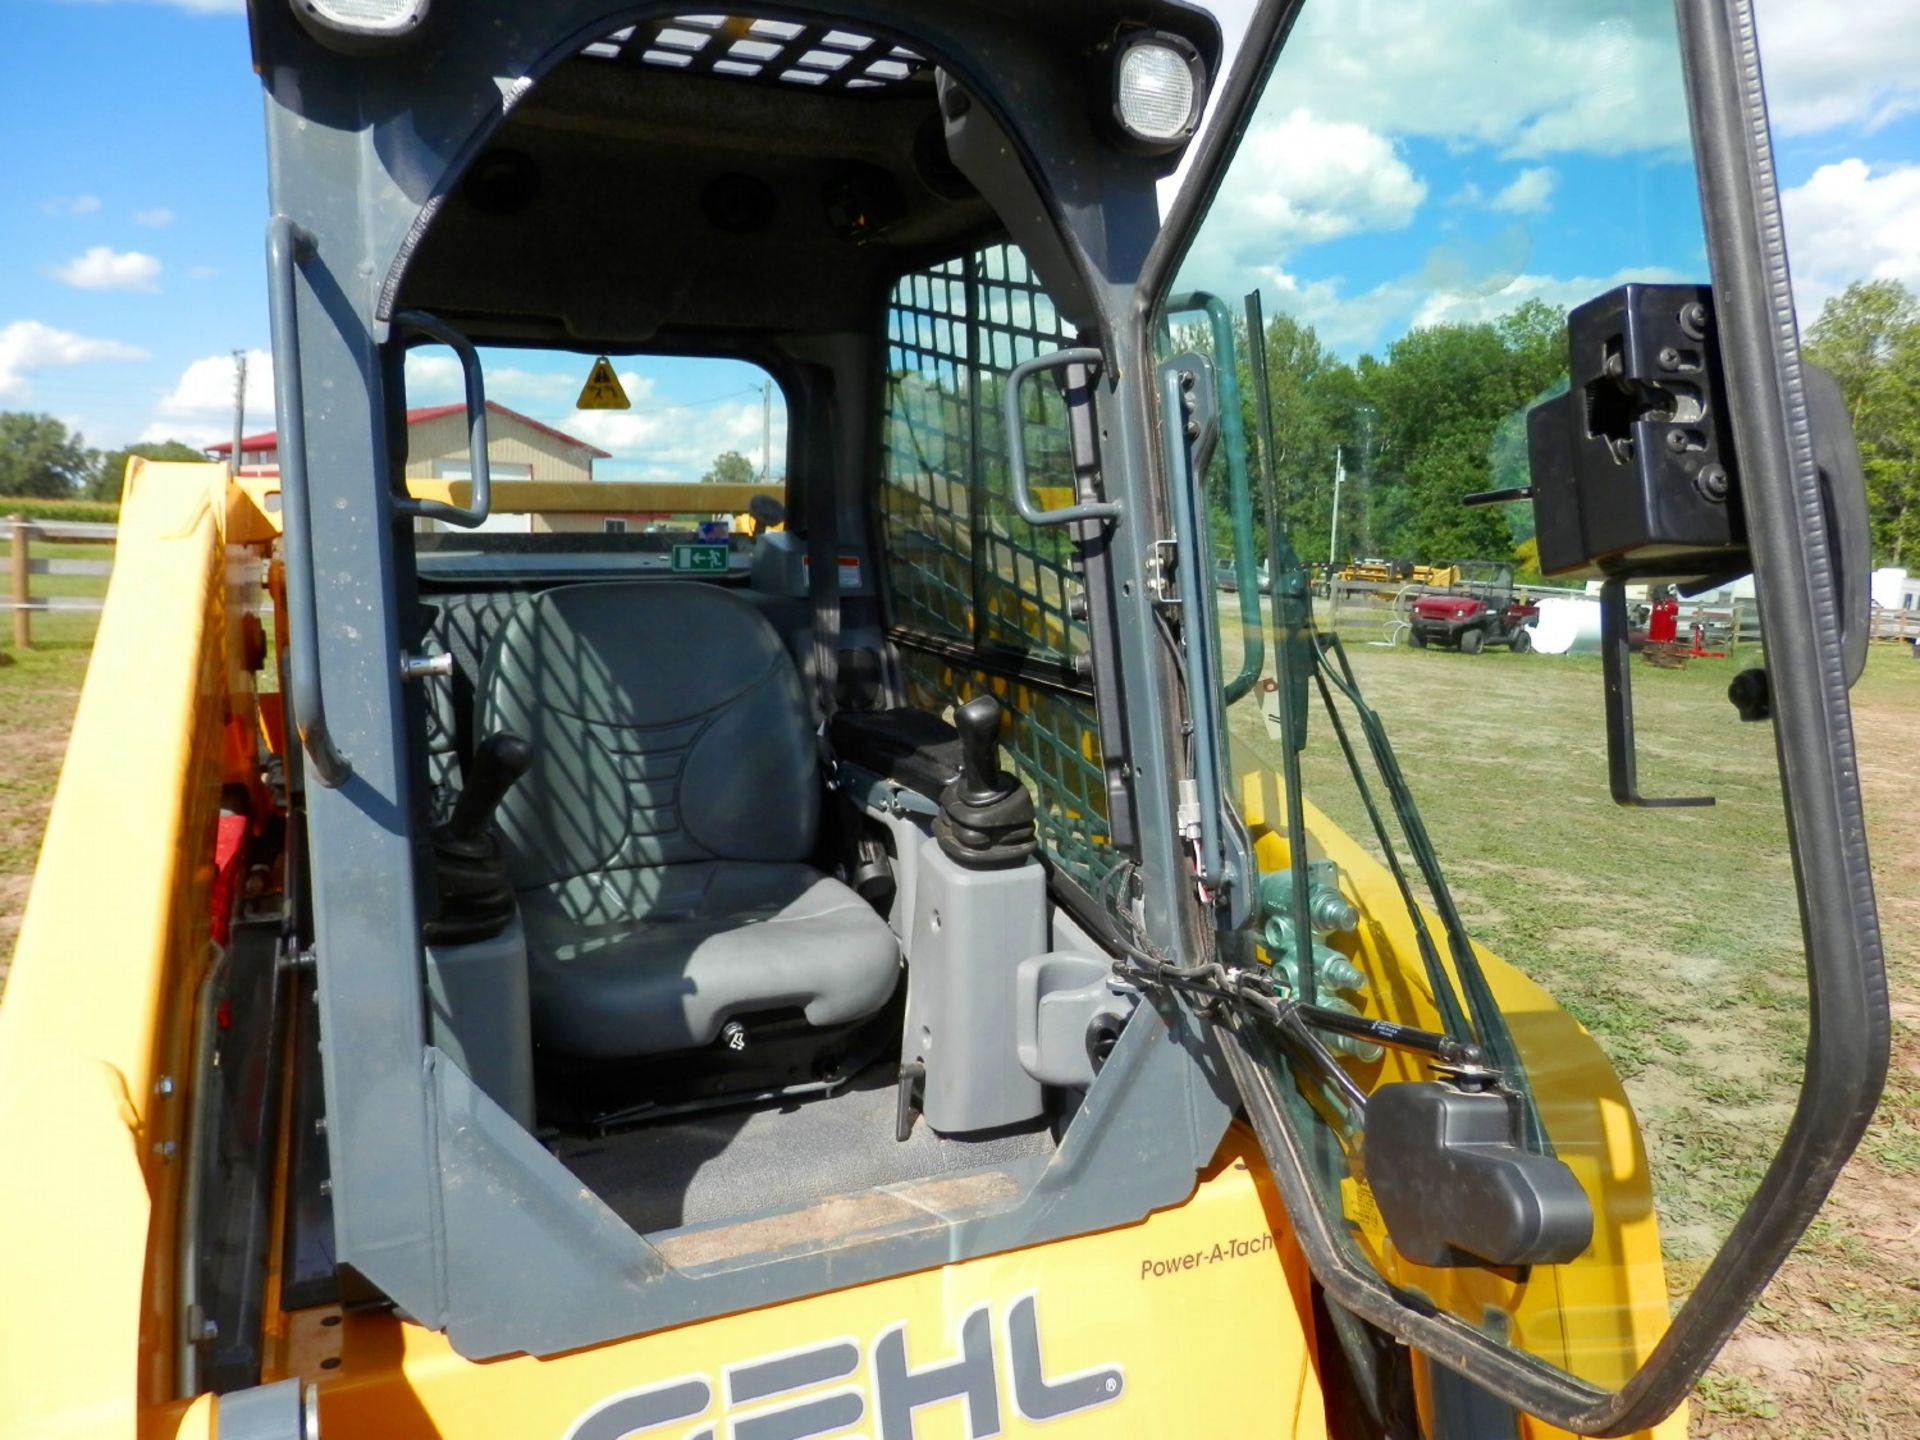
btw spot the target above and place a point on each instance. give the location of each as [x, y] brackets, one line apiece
[20, 567]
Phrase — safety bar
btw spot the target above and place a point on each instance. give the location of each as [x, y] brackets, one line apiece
[1253, 645]
[287, 246]
[480, 502]
[1017, 444]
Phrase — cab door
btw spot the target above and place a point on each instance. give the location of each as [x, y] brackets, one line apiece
[1551, 983]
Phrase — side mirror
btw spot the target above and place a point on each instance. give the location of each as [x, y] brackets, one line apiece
[1636, 477]
[1456, 1187]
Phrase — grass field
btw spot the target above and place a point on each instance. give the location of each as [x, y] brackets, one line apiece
[1671, 934]
[1674, 936]
[37, 694]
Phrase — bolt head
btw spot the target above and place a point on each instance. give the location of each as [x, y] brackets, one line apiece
[1714, 483]
[1693, 320]
[1669, 358]
[1676, 440]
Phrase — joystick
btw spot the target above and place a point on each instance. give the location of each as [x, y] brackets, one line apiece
[986, 815]
[498, 761]
[476, 897]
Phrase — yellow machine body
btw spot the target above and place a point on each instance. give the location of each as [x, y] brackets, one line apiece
[1156, 1322]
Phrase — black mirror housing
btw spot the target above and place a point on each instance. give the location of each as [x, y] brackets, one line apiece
[1634, 475]
[1456, 1187]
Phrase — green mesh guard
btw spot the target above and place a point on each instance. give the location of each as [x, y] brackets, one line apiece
[962, 565]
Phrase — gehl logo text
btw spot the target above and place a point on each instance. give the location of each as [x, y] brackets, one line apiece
[800, 1393]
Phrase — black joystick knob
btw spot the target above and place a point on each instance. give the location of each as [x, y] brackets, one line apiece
[476, 894]
[498, 761]
[982, 781]
[986, 814]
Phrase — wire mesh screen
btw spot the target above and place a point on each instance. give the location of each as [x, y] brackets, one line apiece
[963, 565]
[1052, 744]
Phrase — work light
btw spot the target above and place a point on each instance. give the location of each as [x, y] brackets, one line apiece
[1159, 86]
[363, 19]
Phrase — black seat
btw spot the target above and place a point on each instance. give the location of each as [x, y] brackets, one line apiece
[660, 842]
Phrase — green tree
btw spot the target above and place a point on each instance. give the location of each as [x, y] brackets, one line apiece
[40, 457]
[1441, 398]
[111, 472]
[1868, 336]
[730, 468]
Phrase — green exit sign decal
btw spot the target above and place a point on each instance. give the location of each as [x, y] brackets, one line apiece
[700, 559]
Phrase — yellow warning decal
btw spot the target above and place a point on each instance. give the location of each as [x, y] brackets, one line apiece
[602, 390]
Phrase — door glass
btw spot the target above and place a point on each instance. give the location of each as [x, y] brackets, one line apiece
[1423, 193]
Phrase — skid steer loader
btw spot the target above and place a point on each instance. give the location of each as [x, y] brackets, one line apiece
[892, 981]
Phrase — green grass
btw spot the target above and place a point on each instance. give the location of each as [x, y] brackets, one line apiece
[38, 693]
[1673, 935]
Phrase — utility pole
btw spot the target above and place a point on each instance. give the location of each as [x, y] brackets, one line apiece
[766, 428]
[1339, 475]
[239, 409]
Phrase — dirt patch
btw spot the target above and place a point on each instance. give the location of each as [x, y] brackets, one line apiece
[1833, 1348]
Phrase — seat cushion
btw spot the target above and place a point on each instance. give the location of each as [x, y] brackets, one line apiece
[650, 960]
[668, 727]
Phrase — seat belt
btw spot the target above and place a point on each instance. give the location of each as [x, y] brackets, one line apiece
[867, 869]
[823, 592]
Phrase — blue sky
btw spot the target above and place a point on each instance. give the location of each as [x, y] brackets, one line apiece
[1414, 161]
[1413, 170]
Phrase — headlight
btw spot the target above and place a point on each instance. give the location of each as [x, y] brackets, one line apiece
[367, 19]
[1159, 88]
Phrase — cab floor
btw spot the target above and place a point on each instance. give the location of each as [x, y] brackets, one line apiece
[718, 1164]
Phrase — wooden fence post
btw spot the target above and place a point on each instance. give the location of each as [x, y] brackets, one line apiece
[22, 585]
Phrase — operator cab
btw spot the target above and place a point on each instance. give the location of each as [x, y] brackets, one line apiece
[932, 877]
[730, 829]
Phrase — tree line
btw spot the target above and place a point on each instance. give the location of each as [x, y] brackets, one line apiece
[1868, 336]
[1439, 415]
[1410, 432]
[1442, 414]
[41, 459]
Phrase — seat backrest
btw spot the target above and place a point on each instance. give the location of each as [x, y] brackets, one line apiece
[668, 726]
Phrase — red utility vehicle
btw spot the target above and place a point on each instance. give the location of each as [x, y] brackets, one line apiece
[1477, 610]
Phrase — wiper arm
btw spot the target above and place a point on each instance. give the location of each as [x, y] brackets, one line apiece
[1489, 1024]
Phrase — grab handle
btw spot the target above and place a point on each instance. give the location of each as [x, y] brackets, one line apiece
[287, 246]
[1017, 445]
[480, 502]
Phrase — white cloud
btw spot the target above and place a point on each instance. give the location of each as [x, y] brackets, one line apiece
[434, 378]
[154, 219]
[1447, 291]
[71, 206]
[197, 433]
[104, 268]
[1852, 221]
[1467, 307]
[28, 345]
[1829, 65]
[1530, 193]
[1297, 181]
[1528, 79]
[204, 393]
[678, 442]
